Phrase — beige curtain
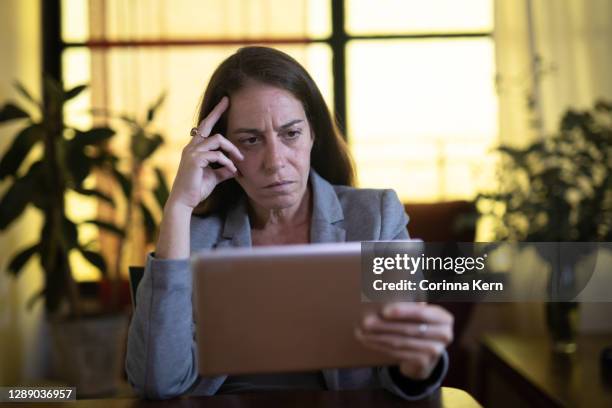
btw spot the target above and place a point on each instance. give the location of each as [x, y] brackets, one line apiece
[551, 55]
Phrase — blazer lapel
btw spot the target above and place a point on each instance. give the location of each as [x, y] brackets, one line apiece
[237, 227]
[326, 212]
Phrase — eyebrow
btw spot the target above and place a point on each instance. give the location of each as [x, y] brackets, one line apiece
[257, 131]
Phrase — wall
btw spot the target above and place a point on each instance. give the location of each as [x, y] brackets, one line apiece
[20, 336]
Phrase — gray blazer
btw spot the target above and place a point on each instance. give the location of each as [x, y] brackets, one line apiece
[161, 359]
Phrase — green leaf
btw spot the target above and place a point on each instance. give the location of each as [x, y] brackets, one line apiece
[518, 156]
[95, 259]
[149, 223]
[96, 193]
[34, 298]
[124, 182]
[153, 109]
[603, 106]
[129, 120]
[142, 146]
[15, 201]
[93, 136]
[78, 163]
[153, 143]
[19, 261]
[16, 154]
[106, 226]
[24, 92]
[11, 111]
[161, 191]
[537, 147]
[36, 175]
[72, 93]
[138, 143]
[103, 159]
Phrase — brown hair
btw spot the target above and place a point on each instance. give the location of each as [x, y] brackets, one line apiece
[329, 157]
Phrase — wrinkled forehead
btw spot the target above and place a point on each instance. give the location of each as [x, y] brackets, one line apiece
[258, 105]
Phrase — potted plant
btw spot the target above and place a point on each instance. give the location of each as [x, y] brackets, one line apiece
[556, 190]
[69, 155]
[144, 193]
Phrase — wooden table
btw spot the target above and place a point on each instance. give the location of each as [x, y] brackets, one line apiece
[523, 371]
[447, 397]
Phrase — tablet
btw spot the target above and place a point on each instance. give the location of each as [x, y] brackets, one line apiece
[280, 309]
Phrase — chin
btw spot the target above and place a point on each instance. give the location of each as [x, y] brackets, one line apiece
[280, 202]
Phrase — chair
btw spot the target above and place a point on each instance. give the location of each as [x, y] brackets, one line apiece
[452, 221]
[135, 273]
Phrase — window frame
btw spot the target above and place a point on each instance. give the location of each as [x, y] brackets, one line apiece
[53, 47]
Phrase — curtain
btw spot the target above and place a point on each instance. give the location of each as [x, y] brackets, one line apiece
[551, 55]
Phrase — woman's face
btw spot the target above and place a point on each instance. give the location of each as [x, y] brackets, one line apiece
[270, 128]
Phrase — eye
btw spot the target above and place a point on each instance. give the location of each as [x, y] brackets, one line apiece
[293, 134]
[249, 141]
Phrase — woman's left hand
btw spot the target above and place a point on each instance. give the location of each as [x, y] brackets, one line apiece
[415, 333]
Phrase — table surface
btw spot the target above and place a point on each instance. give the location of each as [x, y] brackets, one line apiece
[569, 380]
[446, 397]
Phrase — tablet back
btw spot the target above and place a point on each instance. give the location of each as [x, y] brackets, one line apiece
[278, 309]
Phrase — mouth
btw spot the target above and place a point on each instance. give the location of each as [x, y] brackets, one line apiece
[279, 183]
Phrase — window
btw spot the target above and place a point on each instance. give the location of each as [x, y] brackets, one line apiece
[412, 81]
[420, 95]
[132, 51]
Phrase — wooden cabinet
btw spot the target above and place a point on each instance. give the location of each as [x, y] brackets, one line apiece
[522, 371]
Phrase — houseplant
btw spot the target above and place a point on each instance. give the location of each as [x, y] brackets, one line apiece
[144, 192]
[555, 190]
[69, 155]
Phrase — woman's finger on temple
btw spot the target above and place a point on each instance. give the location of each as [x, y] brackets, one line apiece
[209, 121]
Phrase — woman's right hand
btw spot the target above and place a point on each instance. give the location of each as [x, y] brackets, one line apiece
[195, 179]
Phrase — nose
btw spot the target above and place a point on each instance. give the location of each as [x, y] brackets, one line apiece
[273, 158]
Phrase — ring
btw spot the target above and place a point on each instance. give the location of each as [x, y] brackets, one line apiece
[422, 329]
[195, 132]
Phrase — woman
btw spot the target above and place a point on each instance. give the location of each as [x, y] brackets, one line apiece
[266, 166]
